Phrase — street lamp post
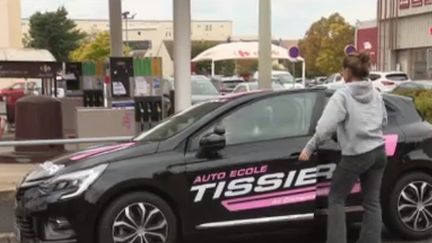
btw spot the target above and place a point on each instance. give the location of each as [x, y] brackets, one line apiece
[127, 18]
[116, 28]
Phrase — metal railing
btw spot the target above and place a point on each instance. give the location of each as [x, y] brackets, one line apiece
[65, 141]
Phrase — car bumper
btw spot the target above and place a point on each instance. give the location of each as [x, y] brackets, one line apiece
[45, 219]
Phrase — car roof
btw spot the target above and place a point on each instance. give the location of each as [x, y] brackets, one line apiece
[233, 78]
[388, 72]
[261, 93]
[422, 81]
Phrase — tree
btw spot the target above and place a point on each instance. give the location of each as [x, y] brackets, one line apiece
[55, 32]
[324, 43]
[96, 47]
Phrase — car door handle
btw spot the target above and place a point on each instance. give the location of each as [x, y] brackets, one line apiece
[294, 155]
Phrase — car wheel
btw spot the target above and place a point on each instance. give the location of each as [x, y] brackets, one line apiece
[138, 217]
[410, 206]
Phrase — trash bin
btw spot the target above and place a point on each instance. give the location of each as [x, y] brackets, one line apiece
[38, 117]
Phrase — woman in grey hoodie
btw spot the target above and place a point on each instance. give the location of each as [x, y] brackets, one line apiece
[357, 114]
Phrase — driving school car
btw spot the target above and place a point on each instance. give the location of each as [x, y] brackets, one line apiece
[223, 167]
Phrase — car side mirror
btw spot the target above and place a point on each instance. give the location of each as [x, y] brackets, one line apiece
[213, 142]
[219, 130]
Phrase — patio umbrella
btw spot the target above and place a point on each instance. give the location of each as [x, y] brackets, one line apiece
[239, 51]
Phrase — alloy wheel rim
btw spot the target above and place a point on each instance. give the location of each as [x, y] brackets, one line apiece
[415, 206]
[140, 223]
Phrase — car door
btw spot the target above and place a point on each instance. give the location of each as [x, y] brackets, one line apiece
[257, 177]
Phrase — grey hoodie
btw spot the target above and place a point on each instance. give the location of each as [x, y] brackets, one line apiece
[357, 113]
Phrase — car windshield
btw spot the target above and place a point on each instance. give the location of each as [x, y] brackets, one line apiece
[284, 78]
[397, 77]
[178, 122]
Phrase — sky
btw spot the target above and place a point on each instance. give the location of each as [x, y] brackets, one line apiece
[291, 18]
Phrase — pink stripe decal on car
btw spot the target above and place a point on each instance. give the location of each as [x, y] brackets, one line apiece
[99, 151]
[391, 141]
[280, 198]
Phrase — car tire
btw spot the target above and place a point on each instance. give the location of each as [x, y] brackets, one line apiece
[398, 216]
[159, 224]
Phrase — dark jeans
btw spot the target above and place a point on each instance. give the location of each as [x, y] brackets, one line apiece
[369, 167]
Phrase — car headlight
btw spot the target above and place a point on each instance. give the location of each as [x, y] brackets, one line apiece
[72, 184]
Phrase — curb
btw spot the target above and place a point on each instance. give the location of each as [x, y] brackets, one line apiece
[7, 238]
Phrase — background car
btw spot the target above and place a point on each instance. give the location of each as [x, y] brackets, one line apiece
[388, 81]
[252, 86]
[334, 78]
[224, 167]
[283, 77]
[227, 84]
[202, 88]
[414, 85]
[17, 90]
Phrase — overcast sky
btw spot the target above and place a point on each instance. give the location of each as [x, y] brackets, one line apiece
[291, 18]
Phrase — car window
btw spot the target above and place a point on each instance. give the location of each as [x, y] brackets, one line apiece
[397, 77]
[282, 116]
[374, 77]
[203, 87]
[17, 86]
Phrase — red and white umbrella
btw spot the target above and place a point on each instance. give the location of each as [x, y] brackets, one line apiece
[239, 51]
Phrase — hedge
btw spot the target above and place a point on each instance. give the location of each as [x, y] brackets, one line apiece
[422, 99]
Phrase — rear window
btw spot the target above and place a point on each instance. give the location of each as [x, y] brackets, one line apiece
[397, 77]
[402, 109]
[374, 77]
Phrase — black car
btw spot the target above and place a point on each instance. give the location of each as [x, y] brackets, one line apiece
[224, 167]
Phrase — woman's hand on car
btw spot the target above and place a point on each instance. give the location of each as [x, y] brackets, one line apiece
[304, 155]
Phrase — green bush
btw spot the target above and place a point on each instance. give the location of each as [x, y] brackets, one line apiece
[422, 99]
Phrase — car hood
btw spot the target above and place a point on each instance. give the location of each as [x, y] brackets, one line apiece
[91, 157]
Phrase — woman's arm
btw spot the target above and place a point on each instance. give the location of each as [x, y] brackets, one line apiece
[334, 113]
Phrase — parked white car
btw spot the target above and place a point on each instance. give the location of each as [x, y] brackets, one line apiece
[252, 86]
[388, 81]
[334, 81]
[285, 78]
[334, 78]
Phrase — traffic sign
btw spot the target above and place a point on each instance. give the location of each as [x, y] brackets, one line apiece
[349, 49]
[294, 52]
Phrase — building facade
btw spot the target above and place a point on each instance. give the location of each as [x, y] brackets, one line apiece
[405, 37]
[366, 39]
[10, 17]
